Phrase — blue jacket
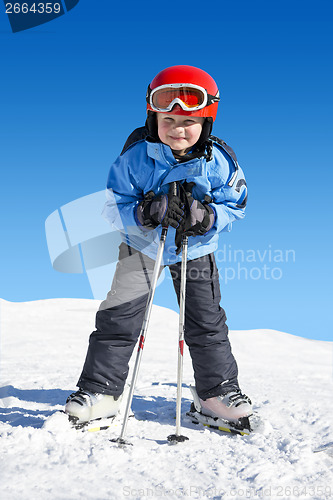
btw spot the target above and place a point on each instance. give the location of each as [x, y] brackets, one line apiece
[150, 166]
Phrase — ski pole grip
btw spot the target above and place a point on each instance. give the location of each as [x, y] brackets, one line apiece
[173, 189]
[172, 192]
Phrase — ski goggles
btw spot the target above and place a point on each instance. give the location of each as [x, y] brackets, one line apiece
[190, 97]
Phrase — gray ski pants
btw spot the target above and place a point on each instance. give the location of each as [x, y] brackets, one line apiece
[120, 316]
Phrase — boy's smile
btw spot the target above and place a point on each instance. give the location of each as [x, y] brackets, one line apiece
[180, 132]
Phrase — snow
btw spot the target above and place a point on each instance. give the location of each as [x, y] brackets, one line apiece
[43, 345]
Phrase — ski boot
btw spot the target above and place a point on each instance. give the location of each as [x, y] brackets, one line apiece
[83, 407]
[229, 412]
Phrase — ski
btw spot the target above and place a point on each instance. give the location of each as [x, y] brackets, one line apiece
[242, 427]
[60, 419]
[100, 424]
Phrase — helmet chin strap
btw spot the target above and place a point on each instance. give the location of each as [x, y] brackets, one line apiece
[206, 131]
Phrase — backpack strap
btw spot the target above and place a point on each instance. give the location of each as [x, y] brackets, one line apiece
[139, 134]
[231, 153]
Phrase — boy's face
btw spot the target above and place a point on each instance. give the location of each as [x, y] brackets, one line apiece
[180, 132]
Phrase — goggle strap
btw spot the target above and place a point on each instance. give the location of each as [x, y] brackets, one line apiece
[213, 98]
[148, 94]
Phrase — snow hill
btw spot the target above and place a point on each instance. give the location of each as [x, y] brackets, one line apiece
[43, 345]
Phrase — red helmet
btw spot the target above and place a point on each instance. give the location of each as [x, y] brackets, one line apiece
[193, 91]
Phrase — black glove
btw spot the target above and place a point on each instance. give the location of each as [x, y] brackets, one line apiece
[199, 217]
[165, 209]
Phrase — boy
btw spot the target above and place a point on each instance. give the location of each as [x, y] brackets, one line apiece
[174, 146]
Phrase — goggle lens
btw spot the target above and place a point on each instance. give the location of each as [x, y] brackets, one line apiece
[191, 97]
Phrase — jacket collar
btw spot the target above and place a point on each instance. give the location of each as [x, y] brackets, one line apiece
[159, 151]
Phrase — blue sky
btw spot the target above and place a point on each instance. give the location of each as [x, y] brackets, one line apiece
[73, 89]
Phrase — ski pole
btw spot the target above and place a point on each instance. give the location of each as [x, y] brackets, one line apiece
[177, 437]
[120, 440]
